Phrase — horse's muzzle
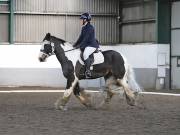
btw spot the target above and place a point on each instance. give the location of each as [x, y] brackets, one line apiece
[41, 59]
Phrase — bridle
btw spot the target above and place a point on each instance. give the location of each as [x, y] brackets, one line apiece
[53, 49]
[52, 46]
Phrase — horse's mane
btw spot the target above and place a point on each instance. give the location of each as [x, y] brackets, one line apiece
[59, 39]
[48, 37]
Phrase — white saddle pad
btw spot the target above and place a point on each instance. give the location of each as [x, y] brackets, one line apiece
[98, 58]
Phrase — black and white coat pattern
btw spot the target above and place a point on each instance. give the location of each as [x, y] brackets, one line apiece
[115, 70]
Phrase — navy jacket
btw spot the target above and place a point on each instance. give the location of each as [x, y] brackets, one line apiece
[87, 38]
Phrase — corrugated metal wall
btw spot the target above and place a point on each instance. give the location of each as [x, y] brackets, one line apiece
[138, 21]
[107, 29]
[74, 6]
[175, 47]
[33, 18]
[4, 28]
[4, 23]
[32, 28]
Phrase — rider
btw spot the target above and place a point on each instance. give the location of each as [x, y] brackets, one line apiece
[86, 41]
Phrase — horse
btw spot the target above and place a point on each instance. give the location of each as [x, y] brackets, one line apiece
[115, 70]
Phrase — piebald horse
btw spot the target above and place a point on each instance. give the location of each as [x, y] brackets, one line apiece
[115, 70]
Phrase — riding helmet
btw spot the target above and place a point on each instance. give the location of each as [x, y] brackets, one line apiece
[86, 16]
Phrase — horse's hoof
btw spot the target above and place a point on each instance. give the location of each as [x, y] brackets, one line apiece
[130, 101]
[60, 107]
[63, 108]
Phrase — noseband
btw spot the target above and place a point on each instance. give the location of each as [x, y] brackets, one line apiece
[52, 46]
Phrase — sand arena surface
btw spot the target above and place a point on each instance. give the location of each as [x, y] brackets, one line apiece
[34, 114]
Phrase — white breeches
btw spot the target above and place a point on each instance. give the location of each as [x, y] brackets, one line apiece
[88, 51]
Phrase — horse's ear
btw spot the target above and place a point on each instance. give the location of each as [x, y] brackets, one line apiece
[48, 35]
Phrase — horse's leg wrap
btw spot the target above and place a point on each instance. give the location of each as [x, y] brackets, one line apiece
[61, 103]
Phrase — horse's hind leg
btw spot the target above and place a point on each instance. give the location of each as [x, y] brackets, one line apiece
[130, 97]
[110, 82]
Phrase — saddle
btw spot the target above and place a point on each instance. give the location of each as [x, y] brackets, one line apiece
[96, 57]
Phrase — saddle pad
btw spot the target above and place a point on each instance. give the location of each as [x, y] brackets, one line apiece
[98, 58]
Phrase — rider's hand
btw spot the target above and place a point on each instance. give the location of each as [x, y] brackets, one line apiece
[76, 46]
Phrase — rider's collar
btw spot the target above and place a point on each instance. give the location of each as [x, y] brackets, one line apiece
[85, 24]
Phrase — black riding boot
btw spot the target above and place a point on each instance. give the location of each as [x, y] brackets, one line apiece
[87, 67]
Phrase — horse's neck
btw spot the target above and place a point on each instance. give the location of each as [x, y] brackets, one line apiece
[72, 56]
[59, 52]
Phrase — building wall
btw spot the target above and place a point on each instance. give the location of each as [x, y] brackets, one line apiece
[175, 47]
[76, 6]
[34, 18]
[138, 21]
[22, 67]
[4, 29]
[4, 23]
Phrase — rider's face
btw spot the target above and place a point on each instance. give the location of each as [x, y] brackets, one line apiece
[83, 21]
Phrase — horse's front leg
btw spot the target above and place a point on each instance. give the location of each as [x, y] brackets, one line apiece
[82, 96]
[61, 103]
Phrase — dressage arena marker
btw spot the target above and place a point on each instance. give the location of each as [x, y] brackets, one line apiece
[159, 93]
[91, 91]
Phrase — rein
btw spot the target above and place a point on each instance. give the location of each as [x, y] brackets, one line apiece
[71, 50]
[67, 50]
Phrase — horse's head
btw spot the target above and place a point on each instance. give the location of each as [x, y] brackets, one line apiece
[47, 48]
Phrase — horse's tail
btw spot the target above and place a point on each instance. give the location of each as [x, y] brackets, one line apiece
[131, 80]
